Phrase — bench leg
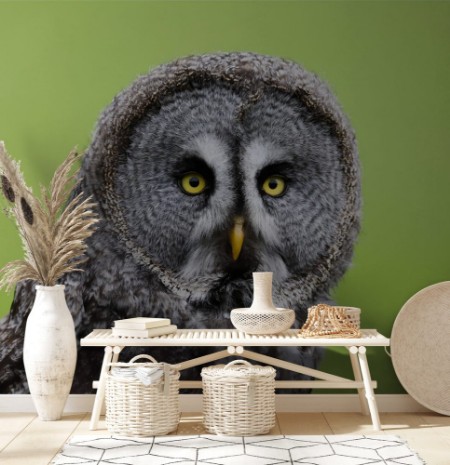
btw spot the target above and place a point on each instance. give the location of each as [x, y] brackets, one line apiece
[357, 373]
[370, 396]
[110, 355]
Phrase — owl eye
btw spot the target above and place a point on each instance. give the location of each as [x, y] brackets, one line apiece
[274, 186]
[192, 183]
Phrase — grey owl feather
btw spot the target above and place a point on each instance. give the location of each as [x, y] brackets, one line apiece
[177, 160]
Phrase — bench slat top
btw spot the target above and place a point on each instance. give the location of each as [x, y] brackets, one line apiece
[229, 337]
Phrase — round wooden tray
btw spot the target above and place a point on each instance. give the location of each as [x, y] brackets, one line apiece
[420, 347]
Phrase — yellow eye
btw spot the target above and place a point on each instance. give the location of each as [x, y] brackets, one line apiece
[193, 183]
[274, 186]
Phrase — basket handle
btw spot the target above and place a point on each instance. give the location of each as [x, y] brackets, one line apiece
[236, 362]
[148, 357]
[250, 384]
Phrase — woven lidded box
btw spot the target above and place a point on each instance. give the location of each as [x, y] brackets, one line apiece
[142, 398]
[238, 398]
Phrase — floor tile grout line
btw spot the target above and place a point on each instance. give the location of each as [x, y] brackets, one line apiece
[18, 434]
[426, 421]
[29, 425]
[323, 426]
[327, 422]
[87, 416]
[445, 437]
[365, 430]
[278, 424]
[179, 423]
[66, 439]
[411, 432]
[409, 427]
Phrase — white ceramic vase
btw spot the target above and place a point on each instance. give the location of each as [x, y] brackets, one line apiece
[262, 292]
[262, 317]
[50, 351]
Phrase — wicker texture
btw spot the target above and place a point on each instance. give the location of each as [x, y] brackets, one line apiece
[133, 409]
[239, 398]
[327, 321]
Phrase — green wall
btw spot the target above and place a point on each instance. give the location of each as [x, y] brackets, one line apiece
[388, 63]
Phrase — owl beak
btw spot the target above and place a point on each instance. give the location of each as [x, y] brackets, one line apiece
[236, 236]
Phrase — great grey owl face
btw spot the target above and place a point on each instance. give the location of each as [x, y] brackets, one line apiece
[204, 170]
[217, 181]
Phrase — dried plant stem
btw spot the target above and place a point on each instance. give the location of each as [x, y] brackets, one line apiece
[53, 231]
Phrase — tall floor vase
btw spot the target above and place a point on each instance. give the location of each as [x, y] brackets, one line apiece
[50, 352]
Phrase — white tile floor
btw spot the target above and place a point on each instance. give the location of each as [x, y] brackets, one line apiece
[24, 440]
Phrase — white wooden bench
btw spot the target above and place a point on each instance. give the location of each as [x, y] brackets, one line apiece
[237, 343]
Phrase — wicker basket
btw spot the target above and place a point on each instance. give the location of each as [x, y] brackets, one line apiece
[134, 409]
[239, 398]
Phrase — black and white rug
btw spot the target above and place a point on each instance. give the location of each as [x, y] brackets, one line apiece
[224, 450]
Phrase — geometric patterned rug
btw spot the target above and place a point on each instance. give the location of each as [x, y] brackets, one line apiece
[208, 449]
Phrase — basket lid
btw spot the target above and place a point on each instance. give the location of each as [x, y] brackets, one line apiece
[238, 369]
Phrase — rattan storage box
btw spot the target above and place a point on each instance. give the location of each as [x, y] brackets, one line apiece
[239, 398]
[134, 409]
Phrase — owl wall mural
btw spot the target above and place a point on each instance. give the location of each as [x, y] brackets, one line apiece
[188, 155]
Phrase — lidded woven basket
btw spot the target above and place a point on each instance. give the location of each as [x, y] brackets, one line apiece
[239, 398]
[262, 317]
[136, 409]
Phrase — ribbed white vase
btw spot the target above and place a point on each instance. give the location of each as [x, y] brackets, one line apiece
[262, 317]
[50, 351]
[262, 291]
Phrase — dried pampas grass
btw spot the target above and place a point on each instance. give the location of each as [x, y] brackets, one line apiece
[53, 231]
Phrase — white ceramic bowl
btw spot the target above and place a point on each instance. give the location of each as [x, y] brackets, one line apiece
[263, 321]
